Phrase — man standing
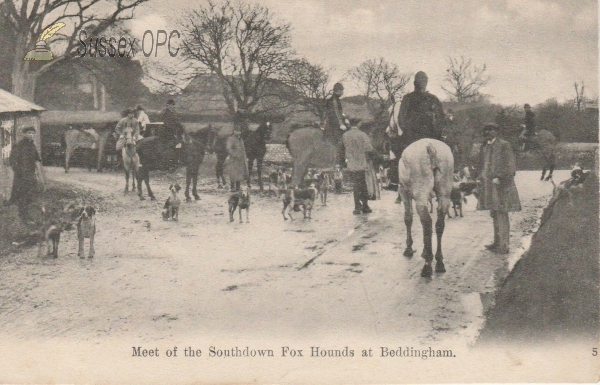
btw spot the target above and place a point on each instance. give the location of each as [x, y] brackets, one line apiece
[421, 114]
[23, 158]
[236, 164]
[358, 146]
[143, 120]
[529, 131]
[171, 133]
[335, 122]
[499, 193]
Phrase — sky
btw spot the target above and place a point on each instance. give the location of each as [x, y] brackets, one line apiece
[534, 49]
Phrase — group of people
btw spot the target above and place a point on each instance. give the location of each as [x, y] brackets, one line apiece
[422, 116]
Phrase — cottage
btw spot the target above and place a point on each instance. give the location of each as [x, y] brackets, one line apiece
[15, 115]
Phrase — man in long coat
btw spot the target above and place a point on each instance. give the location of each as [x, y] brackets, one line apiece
[23, 158]
[498, 190]
[358, 147]
[171, 134]
[236, 165]
[335, 125]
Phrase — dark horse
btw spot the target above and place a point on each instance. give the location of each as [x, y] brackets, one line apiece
[255, 143]
[152, 154]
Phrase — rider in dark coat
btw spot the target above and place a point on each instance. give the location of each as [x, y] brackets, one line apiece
[421, 113]
[335, 125]
[23, 158]
[529, 131]
[171, 133]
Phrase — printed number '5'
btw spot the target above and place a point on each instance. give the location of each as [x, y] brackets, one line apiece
[594, 352]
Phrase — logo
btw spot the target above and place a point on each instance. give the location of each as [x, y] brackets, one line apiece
[41, 51]
[125, 46]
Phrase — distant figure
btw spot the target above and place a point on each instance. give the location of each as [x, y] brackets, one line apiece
[421, 114]
[143, 120]
[23, 159]
[338, 179]
[236, 165]
[499, 193]
[358, 147]
[529, 129]
[335, 125]
[171, 133]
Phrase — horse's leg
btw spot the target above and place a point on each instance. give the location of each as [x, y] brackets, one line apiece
[67, 157]
[408, 221]
[140, 177]
[439, 231]
[250, 167]
[219, 170]
[427, 254]
[259, 162]
[126, 179]
[550, 163]
[147, 181]
[194, 186]
[543, 171]
[188, 180]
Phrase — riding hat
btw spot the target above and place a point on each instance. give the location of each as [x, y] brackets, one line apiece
[27, 129]
[526, 105]
[338, 87]
[420, 76]
[354, 122]
[171, 102]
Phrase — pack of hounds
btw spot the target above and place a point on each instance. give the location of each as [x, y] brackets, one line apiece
[293, 199]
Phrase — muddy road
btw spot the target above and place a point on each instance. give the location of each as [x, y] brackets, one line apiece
[333, 276]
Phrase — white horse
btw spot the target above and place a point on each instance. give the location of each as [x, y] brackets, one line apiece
[426, 167]
[131, 160]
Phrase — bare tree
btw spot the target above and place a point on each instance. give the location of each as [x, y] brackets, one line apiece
[379, 80]
[309, 84]
[464, 80]
[579, 96]
[28, 19]
[242, 44]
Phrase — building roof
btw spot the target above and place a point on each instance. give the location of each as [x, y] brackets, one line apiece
[13, 103]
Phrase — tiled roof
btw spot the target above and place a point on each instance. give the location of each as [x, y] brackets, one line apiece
[12, 103]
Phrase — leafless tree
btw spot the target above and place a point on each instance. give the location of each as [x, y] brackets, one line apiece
[28, 19]
[464, 80]
[309, 84]
[379, 82]
[579, 95]
[241, 43]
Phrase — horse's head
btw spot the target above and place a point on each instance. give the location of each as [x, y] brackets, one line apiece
[128, 136]
[393, 116]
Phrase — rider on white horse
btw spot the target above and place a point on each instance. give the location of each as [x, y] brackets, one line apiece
[128, 121]
[419, 115]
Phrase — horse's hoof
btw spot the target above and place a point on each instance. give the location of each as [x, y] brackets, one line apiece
[427, 271]
[91, 256]
[548, 178]
[188, 199]
[408, 252]
[152, 198]
[142, 198]
[81, 256]
[439, 267]
[220, 186]
[196, 197]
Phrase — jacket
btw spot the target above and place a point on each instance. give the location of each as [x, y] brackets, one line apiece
[357, 145]
[498, 161]
[421, 116]
[236, 165]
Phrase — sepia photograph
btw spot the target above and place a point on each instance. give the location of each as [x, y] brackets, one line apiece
[302, 192]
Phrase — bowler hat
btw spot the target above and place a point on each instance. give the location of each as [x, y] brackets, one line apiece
[27, 129]
[526, 105]
[338, 87]
[171, 102]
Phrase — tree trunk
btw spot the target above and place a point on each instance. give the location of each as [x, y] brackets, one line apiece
[23, 81]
